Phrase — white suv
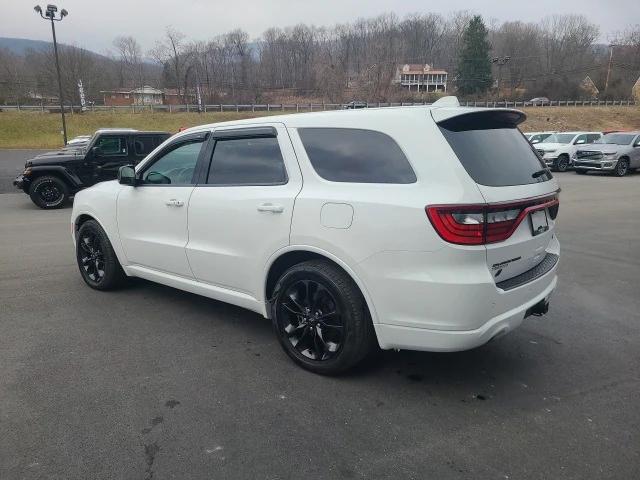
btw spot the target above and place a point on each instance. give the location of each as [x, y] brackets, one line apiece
[558, 151]
[425, 228]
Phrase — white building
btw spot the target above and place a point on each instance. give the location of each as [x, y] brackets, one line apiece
[421, 78]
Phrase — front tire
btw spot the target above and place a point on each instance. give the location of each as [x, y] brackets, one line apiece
[622, 168]
[562, 164]
[320, 318]
[98, 264]
[49, 192]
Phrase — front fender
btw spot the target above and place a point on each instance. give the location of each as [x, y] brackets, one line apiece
[99, 202]
[72, 179]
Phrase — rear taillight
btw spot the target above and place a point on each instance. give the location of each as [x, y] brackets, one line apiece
[485, 223]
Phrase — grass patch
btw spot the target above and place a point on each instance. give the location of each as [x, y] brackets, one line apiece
[43, 130]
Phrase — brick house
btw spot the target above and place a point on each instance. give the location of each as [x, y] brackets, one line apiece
[146, 96]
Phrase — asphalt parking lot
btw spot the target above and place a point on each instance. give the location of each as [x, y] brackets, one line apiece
[150, 382]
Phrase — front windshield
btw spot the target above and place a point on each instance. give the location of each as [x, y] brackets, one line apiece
[559, 138]
[616, 139]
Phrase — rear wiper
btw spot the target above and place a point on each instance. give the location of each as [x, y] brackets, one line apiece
[539, 173]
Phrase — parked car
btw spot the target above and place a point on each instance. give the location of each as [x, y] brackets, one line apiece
[354, 105]
[423, 228]
[557, 150]
[80, 140]
[616, 153]
[537, 137]
[49, 179]
[540, 101]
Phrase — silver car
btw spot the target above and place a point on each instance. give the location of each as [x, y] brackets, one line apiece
[616, 153]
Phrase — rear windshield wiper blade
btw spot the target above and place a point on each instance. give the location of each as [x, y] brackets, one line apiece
[539, 173]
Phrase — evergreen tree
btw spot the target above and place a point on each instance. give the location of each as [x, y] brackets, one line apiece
[474, 63]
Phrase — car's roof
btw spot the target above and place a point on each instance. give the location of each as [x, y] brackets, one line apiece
[327, 118]
[576, 133]
[625, 132]
[131, 130]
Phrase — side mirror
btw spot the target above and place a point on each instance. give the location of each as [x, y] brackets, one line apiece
[533, 142]
[97, 151]
[580, 142]
[127, 176]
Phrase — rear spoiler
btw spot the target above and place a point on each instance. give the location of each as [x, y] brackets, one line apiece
[461, 119]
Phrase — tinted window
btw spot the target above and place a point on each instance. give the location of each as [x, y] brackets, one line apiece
[592, 137]
[617, 139]
[112, 146]
[560, 138]
[358, 156]
[143, 144]
[247, 161]
[174, 167]
[497, 156]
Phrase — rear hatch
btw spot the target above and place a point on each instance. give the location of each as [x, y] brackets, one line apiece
[517, 223]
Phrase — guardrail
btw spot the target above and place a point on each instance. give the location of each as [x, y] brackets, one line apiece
[300, 107]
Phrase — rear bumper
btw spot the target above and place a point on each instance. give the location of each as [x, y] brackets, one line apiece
[400, 337]
[448, 300]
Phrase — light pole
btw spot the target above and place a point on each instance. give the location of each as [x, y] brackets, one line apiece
[606, 83]
[501, 62]
[50, 14]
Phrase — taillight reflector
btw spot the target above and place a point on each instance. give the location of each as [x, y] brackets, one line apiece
[480, 224]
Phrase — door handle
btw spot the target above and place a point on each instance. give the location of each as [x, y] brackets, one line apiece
[270, 207]
[174, 203]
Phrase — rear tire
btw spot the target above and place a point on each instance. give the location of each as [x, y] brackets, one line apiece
[622, 168]
[562, 163]
[49, 192]
[97, 261]
[320, 318]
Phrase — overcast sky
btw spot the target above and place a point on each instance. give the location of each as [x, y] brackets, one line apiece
[94, 24]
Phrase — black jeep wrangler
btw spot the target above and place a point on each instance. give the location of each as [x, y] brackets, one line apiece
[49, 179]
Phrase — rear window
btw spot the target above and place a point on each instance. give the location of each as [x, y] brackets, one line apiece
[356, 156]
[492, 149]
[247, 161]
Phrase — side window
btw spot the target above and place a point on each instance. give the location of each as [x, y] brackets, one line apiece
[247, 161]
[592, 137]
[143, 144]
[580, 139]
[112, 146]
[357, 156]
[175, 167]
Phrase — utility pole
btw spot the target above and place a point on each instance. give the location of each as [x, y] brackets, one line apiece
[606, 83]
[50, 14]
[500, 62]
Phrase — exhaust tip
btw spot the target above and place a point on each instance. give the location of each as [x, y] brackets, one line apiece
[539, 309]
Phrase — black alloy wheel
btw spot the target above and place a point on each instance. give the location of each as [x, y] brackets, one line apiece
[49, 192]
[91, 256]
[97, 261]
[311, 319]
[321, 318]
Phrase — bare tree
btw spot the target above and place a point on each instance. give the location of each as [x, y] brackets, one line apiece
[130, 58]
[171, 51]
